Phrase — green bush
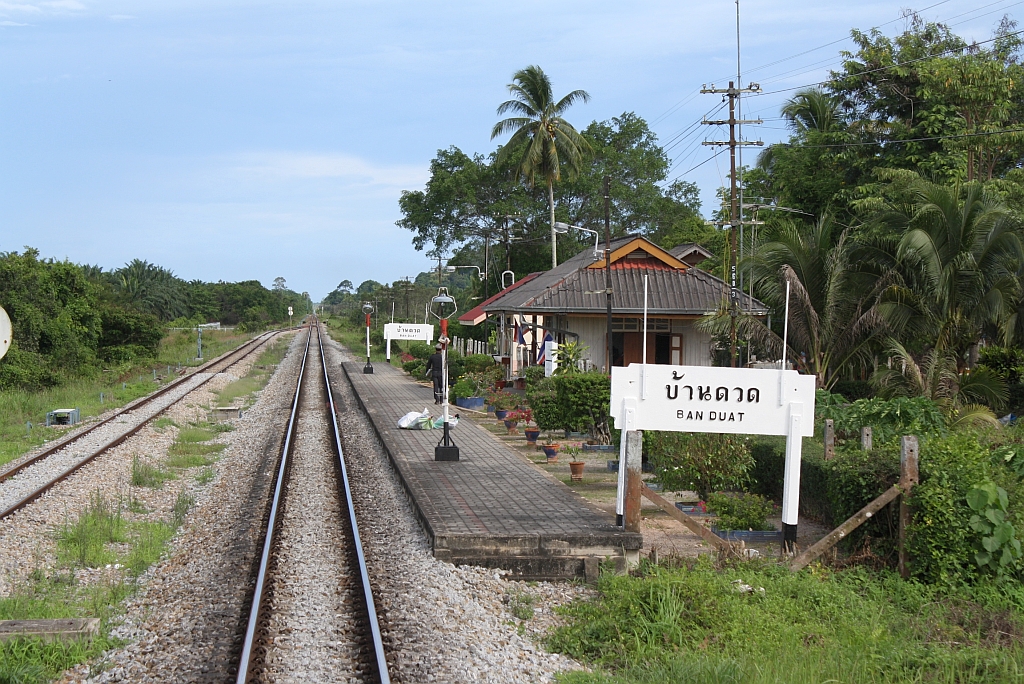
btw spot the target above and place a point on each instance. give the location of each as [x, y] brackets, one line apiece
[421, 350]
[699, 461]
[533, 375]
[854, 389]
[887, 418]
[462, 389]
[478, 363]
[584, 399]
[741, 511]
[415, 367]
[543, 400]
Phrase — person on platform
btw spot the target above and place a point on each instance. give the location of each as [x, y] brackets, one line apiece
[435, 369]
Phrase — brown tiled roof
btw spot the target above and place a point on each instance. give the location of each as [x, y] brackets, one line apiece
[571, 287]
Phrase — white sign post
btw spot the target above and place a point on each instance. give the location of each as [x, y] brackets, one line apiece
[5, 332]
[724, 400]
[406, 331]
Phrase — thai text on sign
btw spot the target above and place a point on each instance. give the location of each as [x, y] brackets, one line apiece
[408, 331]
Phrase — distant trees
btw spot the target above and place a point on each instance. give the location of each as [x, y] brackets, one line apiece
[69, 320]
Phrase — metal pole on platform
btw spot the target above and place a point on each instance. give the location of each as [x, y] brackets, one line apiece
[443, 307]
[368, 310]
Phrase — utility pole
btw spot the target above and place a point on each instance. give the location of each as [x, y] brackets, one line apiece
[608, 270]
[733, 93]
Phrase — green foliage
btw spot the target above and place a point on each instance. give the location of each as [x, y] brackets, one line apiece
[414, 367]
[888, 418]
[479, 363]
[543, 400]
[520, 604]
[941, 539]
[504, 401]
[462, 389]
[148, 475]
[998, 550]
[692, 624]
[741, 511]
[84, 541]
[570, 355]
[421, 350]
[698, 461]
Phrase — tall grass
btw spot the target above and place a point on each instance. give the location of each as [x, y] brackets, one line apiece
[693, 624]
[258, 376]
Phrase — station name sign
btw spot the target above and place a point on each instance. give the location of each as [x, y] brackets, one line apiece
[708, 399]
[408, 331]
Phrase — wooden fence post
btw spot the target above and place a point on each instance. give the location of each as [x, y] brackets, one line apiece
[908, 478]
[865, 438]
[830, 439]
[634, 479]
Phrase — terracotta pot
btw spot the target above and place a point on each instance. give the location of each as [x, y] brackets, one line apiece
[511, 425]
[551, 451]
[500, 384]
[531, 435]
[576, 470]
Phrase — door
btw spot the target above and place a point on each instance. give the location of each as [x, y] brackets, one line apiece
[676, 350]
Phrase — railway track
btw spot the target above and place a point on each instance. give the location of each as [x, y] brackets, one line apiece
[313, 616]
[70, 454]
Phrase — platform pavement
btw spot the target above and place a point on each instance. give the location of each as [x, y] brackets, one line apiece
[492, 507]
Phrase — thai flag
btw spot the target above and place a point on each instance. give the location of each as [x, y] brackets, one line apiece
[519, 334]
[541, 356]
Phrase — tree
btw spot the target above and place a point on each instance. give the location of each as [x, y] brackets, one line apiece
[545, 140]
[834, 306]
[958, 256]
[280, 283]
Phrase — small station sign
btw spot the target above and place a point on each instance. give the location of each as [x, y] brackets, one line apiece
[406, 331]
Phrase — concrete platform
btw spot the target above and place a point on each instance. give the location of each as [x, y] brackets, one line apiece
[492, 507]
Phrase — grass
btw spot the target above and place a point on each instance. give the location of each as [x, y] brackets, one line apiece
[258, 376]
[100, 535]
[147, 475]
[520, 604]
[354, 338]
[162, 423]
[119, 385]
[205, 476]
[693, 624]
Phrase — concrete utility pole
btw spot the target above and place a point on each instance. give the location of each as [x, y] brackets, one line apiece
[735, 219]
[608, 271]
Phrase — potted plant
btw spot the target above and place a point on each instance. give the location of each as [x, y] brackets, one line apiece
[531, 432]
[550, 450]
[503, 402]
[575, 464]
[513, 418]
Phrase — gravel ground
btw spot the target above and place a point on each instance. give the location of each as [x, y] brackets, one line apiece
[441, 623]
[38, 474]
[27, 540]
[313, 627]
[185, 623]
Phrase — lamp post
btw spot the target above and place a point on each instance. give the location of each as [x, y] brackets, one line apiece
[443, 307]
[480, 274]
[199, 350]
[368, 309]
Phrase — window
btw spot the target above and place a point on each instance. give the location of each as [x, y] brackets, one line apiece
[625, 325]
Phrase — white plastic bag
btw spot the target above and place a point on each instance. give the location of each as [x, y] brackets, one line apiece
[452, 422]
[415, 421]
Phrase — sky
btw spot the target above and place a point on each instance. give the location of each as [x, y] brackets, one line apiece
[230, 140]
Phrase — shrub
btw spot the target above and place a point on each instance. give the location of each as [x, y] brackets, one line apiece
[741, 511]
[698, 461]
[584, 398]
[533, 375]
[421, 350]
[543, 399]
[888, 418]
[414, 367]
[478, 363]
[503, 401]
[463, 389]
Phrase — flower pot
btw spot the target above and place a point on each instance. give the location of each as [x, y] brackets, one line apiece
[576, 470]
[500, 384]
[531, 435]
[500, 414]
[551, 451]
[473, 403]
[511, 425]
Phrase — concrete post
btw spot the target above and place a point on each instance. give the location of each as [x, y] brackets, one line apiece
[908, 478]
[830, 439]
[634, 468]
[865, 438]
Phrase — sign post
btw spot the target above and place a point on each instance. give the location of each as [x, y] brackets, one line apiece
[5, 332]
[721, 400]
[406, 331]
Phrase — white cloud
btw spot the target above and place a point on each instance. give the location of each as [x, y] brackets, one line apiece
[122, 17]
[18, 7]
[11, 23]
[64, 4]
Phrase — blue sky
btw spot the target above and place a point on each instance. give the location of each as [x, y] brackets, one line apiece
[235, 140]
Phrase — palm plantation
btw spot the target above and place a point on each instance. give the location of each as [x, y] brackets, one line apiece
[542, 142]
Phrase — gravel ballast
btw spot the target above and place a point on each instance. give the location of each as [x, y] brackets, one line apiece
[440, 623]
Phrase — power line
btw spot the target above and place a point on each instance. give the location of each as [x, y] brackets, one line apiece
[951, 136]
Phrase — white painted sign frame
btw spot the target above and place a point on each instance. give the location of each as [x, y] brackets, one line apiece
[718, 400]
[406, 331]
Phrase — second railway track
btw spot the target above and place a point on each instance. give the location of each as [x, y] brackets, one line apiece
[313, 616]
[30, 478]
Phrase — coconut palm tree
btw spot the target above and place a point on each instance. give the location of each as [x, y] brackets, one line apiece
[959, 254]
[545, 140]
[833, 304]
